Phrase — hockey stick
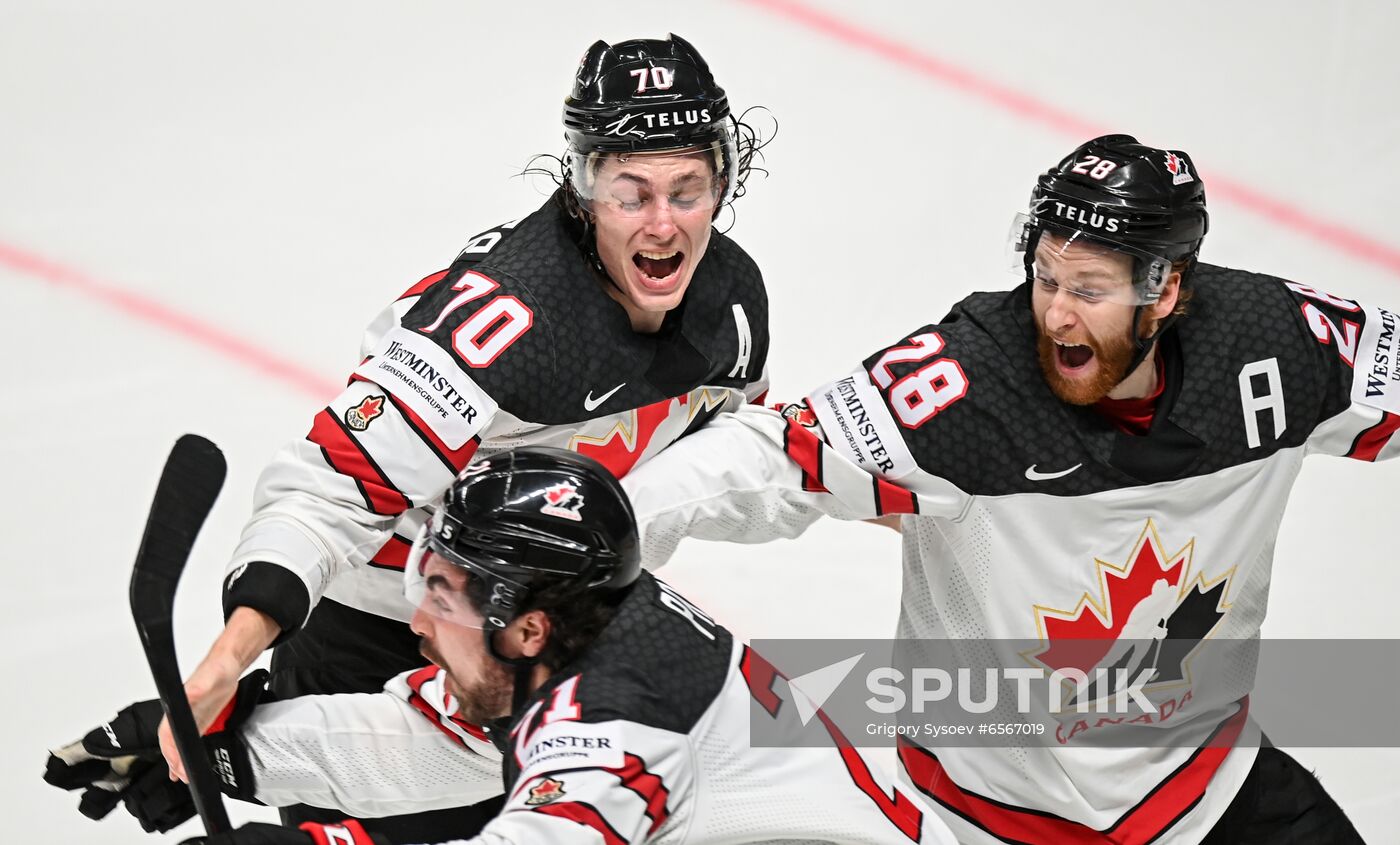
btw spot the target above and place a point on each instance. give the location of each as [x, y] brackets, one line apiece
[189, 484]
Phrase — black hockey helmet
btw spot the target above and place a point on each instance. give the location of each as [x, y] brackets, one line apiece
[1144, 201]
[646, 96]
[522, 517]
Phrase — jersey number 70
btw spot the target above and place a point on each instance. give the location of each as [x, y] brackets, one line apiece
[485, 335]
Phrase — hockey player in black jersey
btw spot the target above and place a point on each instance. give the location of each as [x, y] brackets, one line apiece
[612, 321]
[615, 711]
[1101, 456]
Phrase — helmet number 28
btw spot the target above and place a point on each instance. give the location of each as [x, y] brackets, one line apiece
[918, 396]
[1094, 167]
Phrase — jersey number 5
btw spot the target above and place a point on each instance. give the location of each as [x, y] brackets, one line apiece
[486, 334]
[918, 396]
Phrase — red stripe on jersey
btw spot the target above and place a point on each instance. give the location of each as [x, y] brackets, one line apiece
[891, 498]
[393, 554]
[1159, 810]
[759, 675]
[584, 814]
[454, 459]
[423, 284]
[896, 806]
[415, 684]
[634, 775]
[804, 448]
[1371, 441]
[349, 458]
[761, 400]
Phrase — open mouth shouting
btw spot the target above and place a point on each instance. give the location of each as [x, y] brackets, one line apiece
[659, 270]
[1072, 358]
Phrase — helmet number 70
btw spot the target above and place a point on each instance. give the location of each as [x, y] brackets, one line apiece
[661, 78]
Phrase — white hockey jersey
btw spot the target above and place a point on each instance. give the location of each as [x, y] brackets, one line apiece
[644, 738]
[516, 343]
[1029, 520]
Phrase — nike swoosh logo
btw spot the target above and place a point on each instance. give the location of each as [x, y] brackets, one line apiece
[1046, 476]
[591, 404]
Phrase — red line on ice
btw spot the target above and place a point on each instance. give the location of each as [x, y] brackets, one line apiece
[1334, 235]
[193, 329]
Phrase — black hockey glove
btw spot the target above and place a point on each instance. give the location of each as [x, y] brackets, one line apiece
[347, 832]
[121, 762]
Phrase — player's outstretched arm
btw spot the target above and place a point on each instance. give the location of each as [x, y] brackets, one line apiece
[763, 473]
[370, 754]
[246, 635]
[330, 502]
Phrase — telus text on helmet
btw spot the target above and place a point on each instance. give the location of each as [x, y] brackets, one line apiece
[1091, 219]
[659, 120]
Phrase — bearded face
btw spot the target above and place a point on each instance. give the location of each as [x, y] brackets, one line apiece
[1079, 298]
[452, 637]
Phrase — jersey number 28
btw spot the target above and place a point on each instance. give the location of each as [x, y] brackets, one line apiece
[918, 396]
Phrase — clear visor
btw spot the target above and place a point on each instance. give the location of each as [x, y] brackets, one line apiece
[439, 586]
[1056, 262]
[688, 182]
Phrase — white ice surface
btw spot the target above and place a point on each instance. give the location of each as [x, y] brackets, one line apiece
[284, 169]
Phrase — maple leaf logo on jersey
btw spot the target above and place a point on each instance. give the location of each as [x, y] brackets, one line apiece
[1151, 613]
[799, 413]
[564, 501]
[360, 416]
[629, 435]
[545, 791]
[1176, 165]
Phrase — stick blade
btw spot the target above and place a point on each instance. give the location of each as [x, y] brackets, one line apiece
[188, 486]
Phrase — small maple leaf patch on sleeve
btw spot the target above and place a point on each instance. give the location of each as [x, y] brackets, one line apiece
[360, 416]
[545, 791]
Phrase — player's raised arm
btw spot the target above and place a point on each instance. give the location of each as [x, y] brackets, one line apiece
[764, 473]
[1355, 363]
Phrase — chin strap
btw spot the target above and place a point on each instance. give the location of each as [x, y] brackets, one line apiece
[524, 668]
[1144, 344]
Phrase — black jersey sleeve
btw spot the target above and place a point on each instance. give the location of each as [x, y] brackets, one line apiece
[1351, 350]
